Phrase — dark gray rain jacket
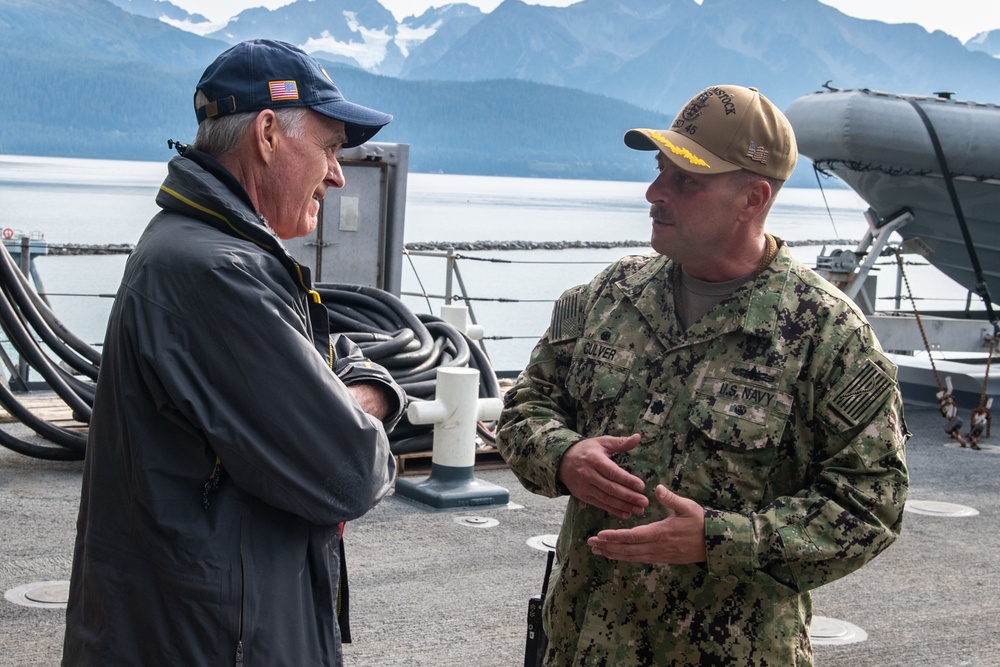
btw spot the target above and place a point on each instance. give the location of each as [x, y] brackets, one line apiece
[223, 449]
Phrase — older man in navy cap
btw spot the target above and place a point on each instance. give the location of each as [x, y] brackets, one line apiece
[231, 435]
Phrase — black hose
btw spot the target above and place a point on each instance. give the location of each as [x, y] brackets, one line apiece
[14, 286]
[336, 297]
[72, 442]
[385, 345]
[419, 443]
[12, 323]
[38, 451]
[357, 312]
[21, 308]
[74, 342]
[411, 347]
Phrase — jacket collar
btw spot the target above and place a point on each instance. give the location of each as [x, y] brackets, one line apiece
[752, 309]
[199, 187]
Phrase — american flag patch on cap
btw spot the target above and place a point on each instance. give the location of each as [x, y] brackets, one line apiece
[283, 90]
[757, 152]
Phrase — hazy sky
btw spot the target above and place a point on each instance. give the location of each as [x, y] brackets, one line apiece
[960, 18]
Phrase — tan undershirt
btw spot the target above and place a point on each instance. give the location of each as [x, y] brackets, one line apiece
[699, 297]
[694, 298]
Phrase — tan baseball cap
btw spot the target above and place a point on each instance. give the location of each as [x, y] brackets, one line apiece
[725, 128]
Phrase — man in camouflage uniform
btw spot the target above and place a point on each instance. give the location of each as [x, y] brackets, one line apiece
[724, 421]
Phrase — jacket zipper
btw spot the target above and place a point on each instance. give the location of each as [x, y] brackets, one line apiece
[212, 484]
[239, 641]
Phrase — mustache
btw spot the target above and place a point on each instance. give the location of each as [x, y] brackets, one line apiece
[658, 212]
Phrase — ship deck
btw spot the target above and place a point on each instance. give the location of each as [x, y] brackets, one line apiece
[450, 588]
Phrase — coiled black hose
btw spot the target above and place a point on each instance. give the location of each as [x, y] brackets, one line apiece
[84, 359]
[23, 315]
[410, 346]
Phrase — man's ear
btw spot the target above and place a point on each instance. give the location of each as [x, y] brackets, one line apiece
[757, 198]
[266, 135]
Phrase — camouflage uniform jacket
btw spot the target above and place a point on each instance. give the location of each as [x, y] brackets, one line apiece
[777, 412]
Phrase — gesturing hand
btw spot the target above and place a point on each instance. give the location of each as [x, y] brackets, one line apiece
[590, 475]
[677, 540]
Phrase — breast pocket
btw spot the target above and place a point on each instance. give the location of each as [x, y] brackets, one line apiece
[597, 376]
[598, 370]
[742, 422]
[739, 426]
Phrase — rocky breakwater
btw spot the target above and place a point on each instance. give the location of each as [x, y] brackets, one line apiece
[522, 245]
[89, 249]
[565, 245]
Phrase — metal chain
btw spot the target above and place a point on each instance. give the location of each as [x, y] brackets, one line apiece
[916, 314]
[986, 377]
[982, 409]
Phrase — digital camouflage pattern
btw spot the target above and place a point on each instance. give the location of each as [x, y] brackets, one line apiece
[777, 412]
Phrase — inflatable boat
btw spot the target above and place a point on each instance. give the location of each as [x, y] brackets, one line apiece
[936, 158]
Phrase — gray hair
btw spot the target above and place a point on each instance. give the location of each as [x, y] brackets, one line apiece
[220, 136]
[744, 177]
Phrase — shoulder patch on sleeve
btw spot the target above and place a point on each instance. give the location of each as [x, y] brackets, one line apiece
[856, 397]
[567, 316]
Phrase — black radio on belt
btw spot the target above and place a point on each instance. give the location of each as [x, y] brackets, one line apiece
[536, 641]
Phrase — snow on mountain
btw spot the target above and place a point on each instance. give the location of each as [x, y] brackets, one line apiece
[409, 36]
[169, 13]
[988, 42]
[361, 33]
[369, 51]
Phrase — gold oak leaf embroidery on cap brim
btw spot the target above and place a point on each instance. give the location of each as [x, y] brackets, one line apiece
[677, 150]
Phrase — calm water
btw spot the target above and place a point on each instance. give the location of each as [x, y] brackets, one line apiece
[106, 201]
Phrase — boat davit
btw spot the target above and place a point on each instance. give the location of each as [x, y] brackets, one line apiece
[929, 169]
[936, 158]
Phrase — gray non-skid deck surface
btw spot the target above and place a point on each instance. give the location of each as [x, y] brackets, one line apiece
[426, 590]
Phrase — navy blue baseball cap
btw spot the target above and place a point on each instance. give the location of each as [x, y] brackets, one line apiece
[266, 74]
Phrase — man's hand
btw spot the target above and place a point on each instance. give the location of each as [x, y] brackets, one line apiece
[373, 398]
[590, 475]
[677, 540]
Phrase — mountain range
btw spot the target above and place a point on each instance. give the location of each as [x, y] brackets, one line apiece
[522, 90]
